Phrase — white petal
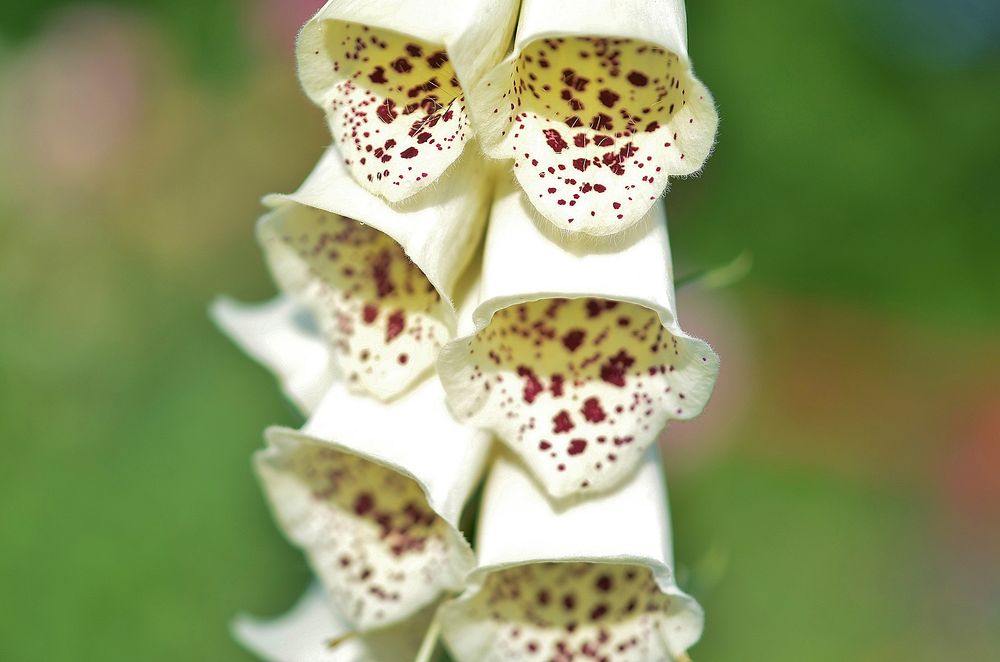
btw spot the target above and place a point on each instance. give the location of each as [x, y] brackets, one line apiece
[598, 106]
[373, 494]
[311, 630]
[282, 335]
[380, 278]
[572, 355]
[591, 580]
[392, 81]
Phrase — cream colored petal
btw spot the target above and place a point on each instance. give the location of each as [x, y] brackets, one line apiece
[313, 631]
[391, 78]
[373, 493]
[597, 105]
[282, 335]
[592, 580]
[380, 278]
[572, 355]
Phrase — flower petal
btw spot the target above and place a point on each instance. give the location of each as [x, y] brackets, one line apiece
[592, 581]
[575, 359]
[598, 106]
[393, 82]
[282, 335]
[379, 278]
[373, 493]
[312, 631]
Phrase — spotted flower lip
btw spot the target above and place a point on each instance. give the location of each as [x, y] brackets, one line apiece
[313, 631]
[392, 80]
[593, 580]
[282, 335]
[597, 105]
[574, 358]
[374, 500]
[381, 278]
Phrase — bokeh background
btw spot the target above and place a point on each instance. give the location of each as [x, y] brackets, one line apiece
[839, 501]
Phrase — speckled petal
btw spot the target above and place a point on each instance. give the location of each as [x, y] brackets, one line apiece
[373, 493]
[596, 112]
[590, 581]
[313, 631]
[392, 80]
[380, 279]
[575, 358]
[282, 335]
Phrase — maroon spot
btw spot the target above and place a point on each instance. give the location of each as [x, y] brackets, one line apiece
[544, 445]
[369, 313]
[592, 410]
[364, 504]
[544, 597]
[532, 385]
[561, 422]
[576, 447]
[402, 65]
[397, 321]
[604, 141]
[581, 139]
[581, 164]
[598, 612]
[554, 140]
[608, 98]
[613, 372]
[600, 122]
[437, 60]
[409, 152]
[603, 583]
[387, 111]
[638, 79]
[378, 75]
[600, 188]
[557, 386]
[573, 339]
[403, 359]
[414, 50]
[653, 126]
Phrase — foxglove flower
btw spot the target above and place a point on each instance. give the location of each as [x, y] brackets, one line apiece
[593, 581]
[574, 358]
[313, 631]
[380, 278]
[597, 105]
[374, 502]
[392, 80]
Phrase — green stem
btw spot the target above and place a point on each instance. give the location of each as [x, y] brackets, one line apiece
[430, 641]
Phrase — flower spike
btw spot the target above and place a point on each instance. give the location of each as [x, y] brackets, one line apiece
[380, 278]
[589, 581]
[598, 106]
[392, 80]
[374, 500]
[313, 631]
[574, 358]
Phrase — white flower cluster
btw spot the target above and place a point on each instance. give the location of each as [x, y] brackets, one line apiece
[476, 279]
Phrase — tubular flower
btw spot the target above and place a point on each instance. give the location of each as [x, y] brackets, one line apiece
[575, 359]
[589, 582]
[392, 80]
[597, 105]
[375, 504]
[313, 631]
[379, 278]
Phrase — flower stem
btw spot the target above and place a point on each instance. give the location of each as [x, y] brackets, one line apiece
[430, 641]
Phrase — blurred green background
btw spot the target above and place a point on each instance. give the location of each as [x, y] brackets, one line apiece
[840, 500]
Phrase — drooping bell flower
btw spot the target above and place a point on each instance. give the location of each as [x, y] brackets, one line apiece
[590, 581]
[597, 105]
[379, 278]
[573, 355]
[392, 79]
[313, 631]
[374, 500]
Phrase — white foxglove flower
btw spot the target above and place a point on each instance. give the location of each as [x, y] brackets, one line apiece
[590, 581]
[282, 335]
[380, 278]
[313, 631]
[573, 355]
[598, 106]
[372, 493]
[392, 79]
